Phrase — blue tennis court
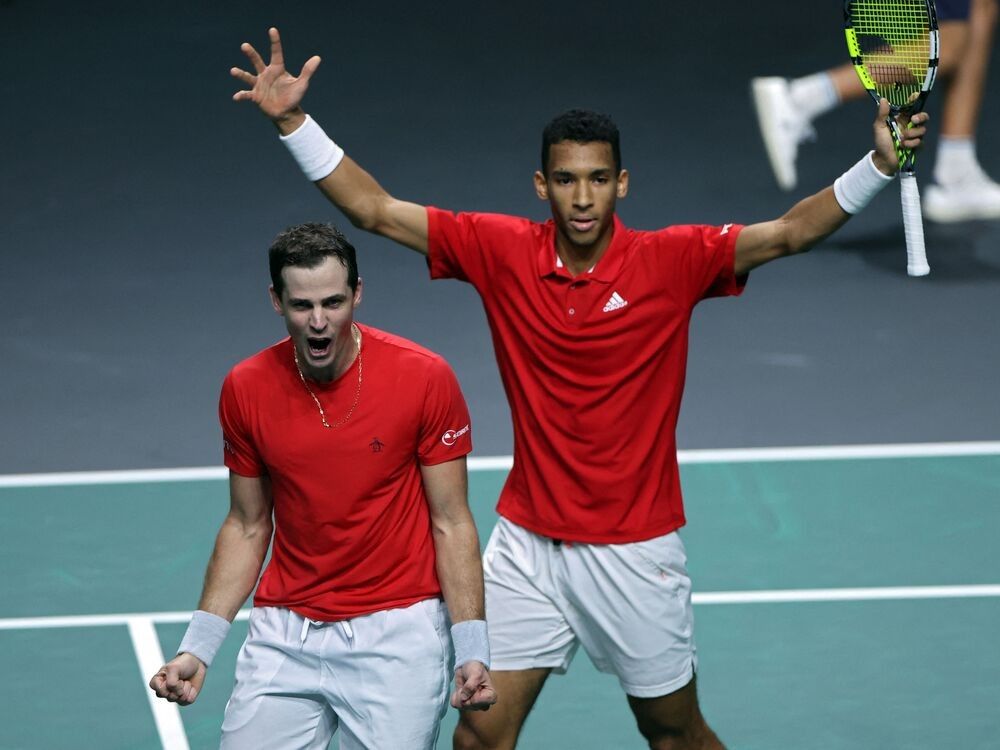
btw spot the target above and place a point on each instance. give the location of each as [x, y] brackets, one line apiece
[845, 598]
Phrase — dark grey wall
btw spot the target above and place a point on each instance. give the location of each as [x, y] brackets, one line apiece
[137, 200]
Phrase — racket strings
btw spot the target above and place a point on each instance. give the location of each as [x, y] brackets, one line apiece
[893, 38]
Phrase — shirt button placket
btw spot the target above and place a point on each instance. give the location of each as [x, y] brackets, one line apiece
[573, 300]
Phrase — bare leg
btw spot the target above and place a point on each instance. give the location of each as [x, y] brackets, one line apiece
[498, 728]
[964, 95]
[786, 108]
[674, 722]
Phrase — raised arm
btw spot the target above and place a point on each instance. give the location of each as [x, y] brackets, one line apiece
[816, 217]
[240, 547]
[460, 571]
[278, 94]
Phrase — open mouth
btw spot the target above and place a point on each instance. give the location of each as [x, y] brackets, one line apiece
[319, 347]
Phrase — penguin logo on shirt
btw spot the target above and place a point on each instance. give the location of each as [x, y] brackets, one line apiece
[376, 445]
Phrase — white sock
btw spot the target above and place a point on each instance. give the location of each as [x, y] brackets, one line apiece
[956, 158]
[813, 95]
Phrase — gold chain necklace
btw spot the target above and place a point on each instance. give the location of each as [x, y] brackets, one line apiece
[357, 393]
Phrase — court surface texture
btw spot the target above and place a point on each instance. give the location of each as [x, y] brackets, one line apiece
[845, 598]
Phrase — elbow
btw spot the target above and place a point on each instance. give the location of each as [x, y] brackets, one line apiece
[366, 222]
[792, 241]
[251, 529]
[371, 214]
[262, 530]
[798, 249]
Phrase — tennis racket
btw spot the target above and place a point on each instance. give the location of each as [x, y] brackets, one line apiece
[894, 47]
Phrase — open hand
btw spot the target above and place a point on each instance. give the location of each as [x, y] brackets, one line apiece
[273, 89]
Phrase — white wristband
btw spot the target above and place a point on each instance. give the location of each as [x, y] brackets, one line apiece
[859, 184]
[472, 642]
[204, 635]
[316, 154]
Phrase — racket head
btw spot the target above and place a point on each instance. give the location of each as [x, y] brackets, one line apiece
[894, 48]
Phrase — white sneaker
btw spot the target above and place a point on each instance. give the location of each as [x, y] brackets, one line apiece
[975, 197]
[781, 125]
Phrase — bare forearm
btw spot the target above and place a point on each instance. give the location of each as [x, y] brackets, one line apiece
[812, 220]
[808, 222]
[460, 570]
[815, 218]
[348, 187]
[234, 566]
[356, 193]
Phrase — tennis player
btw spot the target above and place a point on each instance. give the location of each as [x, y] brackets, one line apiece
[590, 323]
[355, 441]
[961, 190]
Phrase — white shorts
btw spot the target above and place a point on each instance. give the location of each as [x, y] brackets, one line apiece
[629, 605]
[382, 679]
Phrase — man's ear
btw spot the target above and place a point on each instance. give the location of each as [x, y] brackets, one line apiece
[541, 186]
[275, 300]
[622, 183]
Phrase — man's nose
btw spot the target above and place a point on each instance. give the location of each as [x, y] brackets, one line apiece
[317, 321]
[583, 197]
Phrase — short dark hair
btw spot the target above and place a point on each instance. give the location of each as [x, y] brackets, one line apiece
[582, 126]
[308, 245]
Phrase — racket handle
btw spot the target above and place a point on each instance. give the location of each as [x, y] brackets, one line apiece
[913, 225]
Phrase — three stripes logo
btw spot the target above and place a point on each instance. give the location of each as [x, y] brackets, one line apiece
[615, 302]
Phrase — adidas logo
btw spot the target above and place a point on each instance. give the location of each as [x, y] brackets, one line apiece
[616, 302]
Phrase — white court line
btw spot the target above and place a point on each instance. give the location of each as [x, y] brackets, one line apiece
[777, 596]
[494, 463]
[886, 593]
[150, 656]
[840, 452]
[90, 621]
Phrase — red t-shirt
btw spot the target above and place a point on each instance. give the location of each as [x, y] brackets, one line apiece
[593, 366]
[352, 531]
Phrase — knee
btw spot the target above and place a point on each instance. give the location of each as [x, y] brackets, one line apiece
[465, 738]
[695, 736]
[474, 735]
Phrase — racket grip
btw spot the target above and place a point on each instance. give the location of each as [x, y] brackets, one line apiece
[913, 226]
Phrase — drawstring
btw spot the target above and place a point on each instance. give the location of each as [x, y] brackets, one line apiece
[344, 625]
[305, 629]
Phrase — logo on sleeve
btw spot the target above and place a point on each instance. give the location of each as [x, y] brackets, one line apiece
[452, 436]
[725, 229]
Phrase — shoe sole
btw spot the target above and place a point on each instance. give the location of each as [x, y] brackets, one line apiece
[950, 216]
[762, 89]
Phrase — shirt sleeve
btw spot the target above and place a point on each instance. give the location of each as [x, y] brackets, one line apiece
[702, 260]
[468, 246]
[445, 427]
[239, 450]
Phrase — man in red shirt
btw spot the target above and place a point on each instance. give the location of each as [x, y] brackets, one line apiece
[355, 441]
[589, 322]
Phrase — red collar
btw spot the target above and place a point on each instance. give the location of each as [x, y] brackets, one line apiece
[605, 270]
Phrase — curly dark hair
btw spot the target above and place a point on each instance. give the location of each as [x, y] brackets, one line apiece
[581, 126]
[306, 246]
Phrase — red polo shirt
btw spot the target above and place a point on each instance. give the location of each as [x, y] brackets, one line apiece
[352, 532]
[593, 366]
